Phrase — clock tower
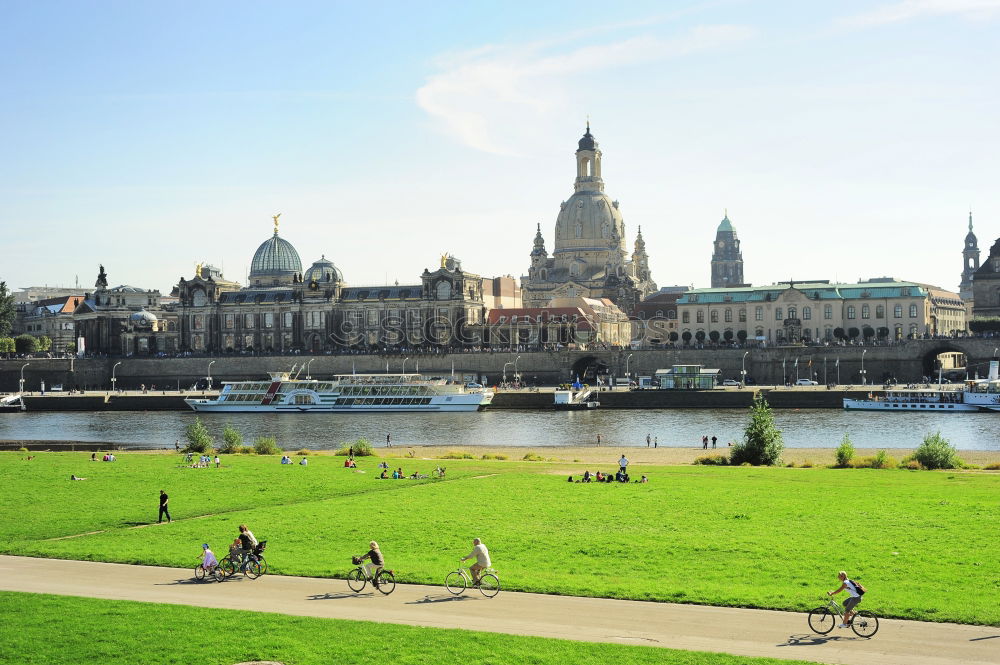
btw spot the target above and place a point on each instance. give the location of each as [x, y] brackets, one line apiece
[727, 260]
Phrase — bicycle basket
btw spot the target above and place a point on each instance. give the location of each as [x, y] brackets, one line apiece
[356, 560]
[261, 546]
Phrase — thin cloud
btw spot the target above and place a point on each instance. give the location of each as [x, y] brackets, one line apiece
[913, 9]
[487, 88]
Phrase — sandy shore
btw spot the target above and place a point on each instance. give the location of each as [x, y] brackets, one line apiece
[663, 456]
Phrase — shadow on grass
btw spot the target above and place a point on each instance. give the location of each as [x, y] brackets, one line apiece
[810, 640]
[135, 524]
[438, 599]
[340, 596]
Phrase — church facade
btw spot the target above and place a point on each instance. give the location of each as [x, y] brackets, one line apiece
[590, 258]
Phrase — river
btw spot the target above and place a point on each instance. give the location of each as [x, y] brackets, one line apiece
[805, 428]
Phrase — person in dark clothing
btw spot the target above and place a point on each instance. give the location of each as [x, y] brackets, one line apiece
[163, 507]
[377, 561]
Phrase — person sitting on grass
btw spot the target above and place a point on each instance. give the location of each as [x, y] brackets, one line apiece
[73, 477]
[644, 479]
[586, 476]
[304, 462]
[599, 477]
[385, 474]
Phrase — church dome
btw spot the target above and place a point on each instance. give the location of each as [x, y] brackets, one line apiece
[142, 319]
[322, 271]
[275, 257]
[588, 142]
[589, 220]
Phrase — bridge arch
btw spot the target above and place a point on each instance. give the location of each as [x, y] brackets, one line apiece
[588, 368]
[928, 360]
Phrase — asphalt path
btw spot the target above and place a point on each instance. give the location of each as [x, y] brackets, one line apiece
[696, 627]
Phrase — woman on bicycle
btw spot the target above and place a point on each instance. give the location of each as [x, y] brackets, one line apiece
[854, 593]
[245, 542]
[377, 561]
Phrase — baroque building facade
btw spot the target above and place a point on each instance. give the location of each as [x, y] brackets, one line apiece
[287, 309]
[727, 259]
[986, 285]
[590, 258]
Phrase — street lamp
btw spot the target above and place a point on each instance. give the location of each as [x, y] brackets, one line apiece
[210, 374]
[404, 365]
[796, 370]
[743, 371]
[113, 379]
[22, 376]
[863, 381]
[627, 358]
[505, 371]
[516, 377]
[310, 361]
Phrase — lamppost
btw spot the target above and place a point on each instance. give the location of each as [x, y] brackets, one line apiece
[796, 370]
[505, 371]
[627, 358]
[22, 376]
[404, 365]
[113, 379]
[516, 375]
[743, 370]
[209, 372]
[863, 381]
[309, 362]
[783, 374]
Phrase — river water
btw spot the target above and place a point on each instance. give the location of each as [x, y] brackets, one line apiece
[805, 428]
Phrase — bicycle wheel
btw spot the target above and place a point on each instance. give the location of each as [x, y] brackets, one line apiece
[253, 570]
[455, 582]
[822, 621]
[199, 573]
[356, 580]
[864, 624]
[489, 585]
[228, 566]
[219, 574]
[385, 582]
[263, 566]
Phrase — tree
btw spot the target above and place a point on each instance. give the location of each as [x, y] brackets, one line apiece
[741, 335]
[71, 347]
[762, 443]
[728, 335]
[232, 439]
[44, 343]
[686, 336]
[7, 345]
[839, 333]
[7, 310]
[673, 337]
[868, 332]
[853, 333]
[883, 332]
[700, 336]
[983, 324]
[199, 440]
[714, 336]
[25, 344]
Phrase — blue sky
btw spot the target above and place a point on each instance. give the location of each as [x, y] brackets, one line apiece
[847, 139]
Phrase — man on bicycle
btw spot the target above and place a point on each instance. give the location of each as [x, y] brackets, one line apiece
[854, 597]
[482, 556]
[377, 562]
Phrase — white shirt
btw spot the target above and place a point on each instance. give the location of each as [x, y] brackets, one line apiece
[851, 589]
[623, 461]
[482, 555]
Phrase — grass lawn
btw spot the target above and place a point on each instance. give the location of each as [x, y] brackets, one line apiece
[923, 543]
[57, 630]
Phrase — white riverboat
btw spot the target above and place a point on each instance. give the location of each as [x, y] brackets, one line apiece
[346, 392]
[979, 395]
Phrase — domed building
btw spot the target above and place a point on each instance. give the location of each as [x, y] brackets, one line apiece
[275, 263]
[590, 257]
[323, 272]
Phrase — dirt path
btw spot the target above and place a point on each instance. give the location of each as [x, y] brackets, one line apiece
[736, 631]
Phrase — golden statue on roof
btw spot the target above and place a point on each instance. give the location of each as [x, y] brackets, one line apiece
[275, 218]
[444, 260]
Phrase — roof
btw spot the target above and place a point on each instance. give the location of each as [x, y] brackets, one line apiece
[362, 293]
[725, 225]
[275, 256]
[813, 291]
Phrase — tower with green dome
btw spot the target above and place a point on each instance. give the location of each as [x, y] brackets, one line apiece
[727, 260]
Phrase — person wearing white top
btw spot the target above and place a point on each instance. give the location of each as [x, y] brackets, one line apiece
[854, 598]
[482, 556]
[623, 464]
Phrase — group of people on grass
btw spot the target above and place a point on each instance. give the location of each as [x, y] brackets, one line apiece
[285, 459]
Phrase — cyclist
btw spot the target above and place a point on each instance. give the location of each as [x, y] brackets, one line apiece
[244, 544]
[854, 593]
[482, 556]
[377, 561]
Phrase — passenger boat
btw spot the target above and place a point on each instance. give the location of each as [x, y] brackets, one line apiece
[346, 392]
[978, 395]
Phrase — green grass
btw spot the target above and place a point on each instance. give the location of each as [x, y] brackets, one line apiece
[923, 543]
[57, 630]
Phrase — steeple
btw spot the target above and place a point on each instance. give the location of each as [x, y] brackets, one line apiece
[970, 262]
[539, 248]
[727, 260]
[588, 164]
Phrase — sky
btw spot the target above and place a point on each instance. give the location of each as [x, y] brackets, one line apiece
[847, 140]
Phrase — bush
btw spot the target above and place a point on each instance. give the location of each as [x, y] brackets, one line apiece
[712, 460]
[762, 443]
[845, 452]
[533, 457]
[361, 448]
[883, 461]
[232, 440]
[806, 464]
[912, 465]
[198, 438]
[456, 454]
[303, 452]
[488, 456]
[266, 445]
[936, 453]
[994, 466]
[245, 450]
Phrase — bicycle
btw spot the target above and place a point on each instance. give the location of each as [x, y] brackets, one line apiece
[823, 619]
[459, 580]
[384, 580]
[253, 565]
[213, 573]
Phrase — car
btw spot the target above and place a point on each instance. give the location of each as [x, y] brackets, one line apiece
[730, 382]
[472, 385]
[806, 382]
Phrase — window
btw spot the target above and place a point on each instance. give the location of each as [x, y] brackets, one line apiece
[913, 311]
[792, 312]
[879, 311]
[743, 315]
[897, 311]
[713, 316]
[700, 316]
[268, 319]
[286, 319]
[759, 314]
[851, 312]
[671, 313]
[686, 317]
[729, 316]
[778, 316]
[248, 323]
[866, 312]
[229, 322]
[913, 327]
[827, 311]
[807, 313]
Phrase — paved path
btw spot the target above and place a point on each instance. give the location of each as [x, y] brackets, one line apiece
[697, 627]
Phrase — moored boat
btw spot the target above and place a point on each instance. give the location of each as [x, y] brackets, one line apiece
[346, 392]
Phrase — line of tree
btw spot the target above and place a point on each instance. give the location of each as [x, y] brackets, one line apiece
[7, 310]
[25, 344]
[985, 324]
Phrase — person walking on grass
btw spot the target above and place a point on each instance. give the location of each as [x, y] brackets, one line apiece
[163, 507]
